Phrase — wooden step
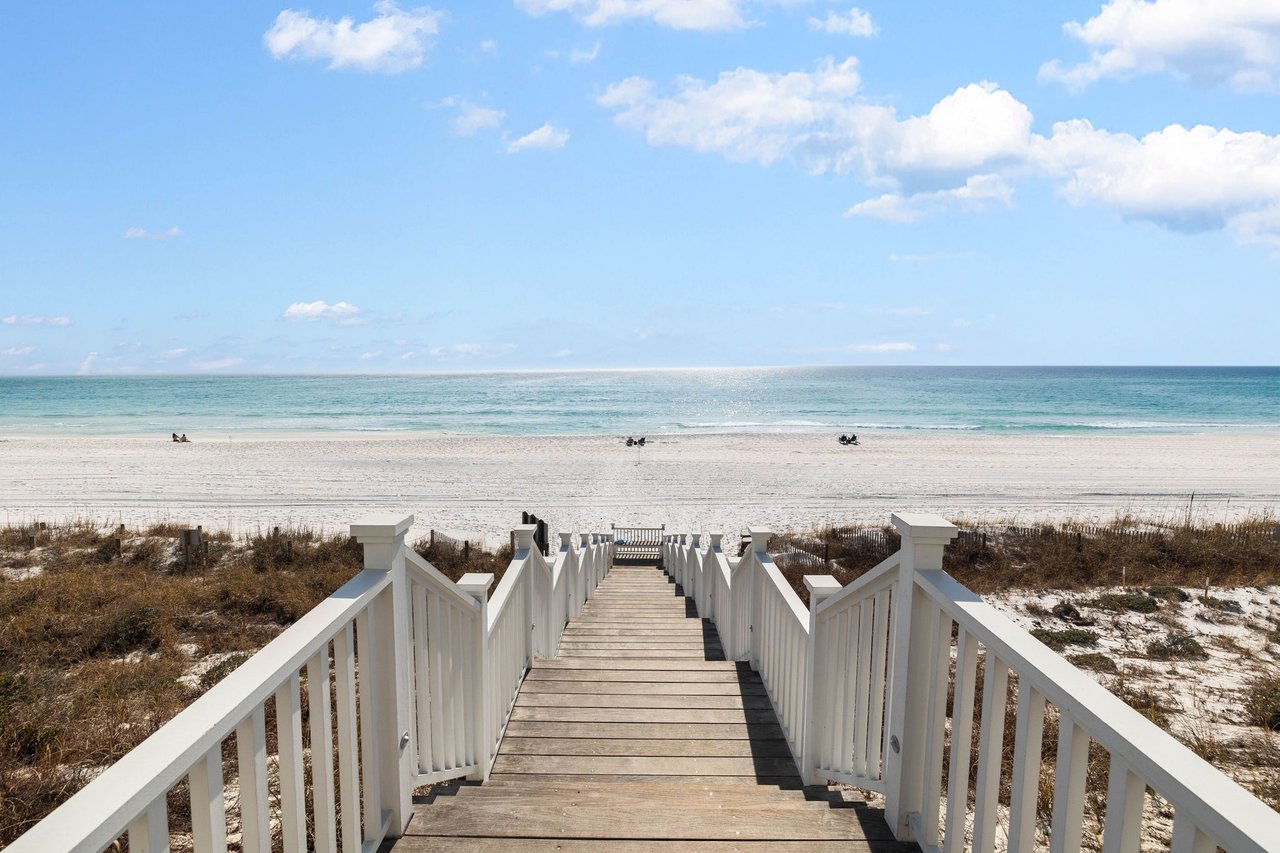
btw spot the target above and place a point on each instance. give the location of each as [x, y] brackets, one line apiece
[414, 843]
[642, 715]
[644, 746]
[615, 700]
[533, 686]
[661, 731]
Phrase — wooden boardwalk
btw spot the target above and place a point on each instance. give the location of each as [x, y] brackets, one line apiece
[641, 736]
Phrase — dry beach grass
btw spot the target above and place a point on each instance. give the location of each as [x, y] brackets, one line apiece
[105, 637]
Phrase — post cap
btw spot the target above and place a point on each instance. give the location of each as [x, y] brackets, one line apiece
[694, 539]
[924, 527]
[759, 538]
[566, 539]
[524, 536]
[715, 539]
[381, 526]
[476, 584]
[583, 542]
[821, 586]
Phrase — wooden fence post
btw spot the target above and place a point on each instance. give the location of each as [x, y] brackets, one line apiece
[923, 539]
[759, 543]
[383, 539]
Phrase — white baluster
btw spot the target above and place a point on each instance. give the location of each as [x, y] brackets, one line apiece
[821, 587]
[480, 701]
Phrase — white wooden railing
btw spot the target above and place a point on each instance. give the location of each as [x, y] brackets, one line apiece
[861, 682]
[416, 676]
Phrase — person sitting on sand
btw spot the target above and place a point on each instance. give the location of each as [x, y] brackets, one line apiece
[844, 439]
[175, 437]
[640, 441]
[853, 439]
[184, 438]
[630, 441]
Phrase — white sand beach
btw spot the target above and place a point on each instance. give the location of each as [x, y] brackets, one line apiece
[476, 486]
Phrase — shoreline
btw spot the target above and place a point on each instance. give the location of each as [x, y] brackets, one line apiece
[475, 486]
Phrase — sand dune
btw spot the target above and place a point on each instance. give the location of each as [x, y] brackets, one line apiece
[476, 486]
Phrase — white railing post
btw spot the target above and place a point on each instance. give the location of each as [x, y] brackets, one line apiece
[759, 545]
[479, 703]
[571, 583]
[693, 566]
[923, 539]
[538, 602]
[383, 539]
[711, 570]
[587, 568]
[820, 588]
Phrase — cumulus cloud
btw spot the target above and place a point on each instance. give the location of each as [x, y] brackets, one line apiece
[343, 312]
[545, 138]
[86, 366]
[1226, 42]
[394, 40]
[35, 320]
[966, 153]
[144, 234]
[676, 14]
[819, 121]
[1186, 179]
[855, 22]
[472, 118]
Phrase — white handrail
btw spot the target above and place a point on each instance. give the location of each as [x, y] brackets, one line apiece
[1202, 796]
[131, 793]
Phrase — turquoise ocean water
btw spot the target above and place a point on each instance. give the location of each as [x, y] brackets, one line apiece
[859, 399]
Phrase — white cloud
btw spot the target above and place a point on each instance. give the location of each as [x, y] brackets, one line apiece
[676, 14]
[472, 118]
[564, 353]
[1224, 42]
[144, 234]
[87, 365]
[965, 154]
[577, 57]
[544, 138]
[217, 363]
[344, 312]
[36, 320]
[489, 46]
[177, 353]
[1185, 179]
[819, 121]
[394, 40]
[17, 352]
[365, 356]
[895, 346]
[855, 22]
[978, 193]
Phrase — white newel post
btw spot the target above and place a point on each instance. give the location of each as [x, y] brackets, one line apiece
[821, 587]
[571, 584]
[476, 585]
[383, 539]
[538, 602]
[587, 569]
[758, 547]
[719, 610]
[693, 567]
[608, 544]
[924, 537]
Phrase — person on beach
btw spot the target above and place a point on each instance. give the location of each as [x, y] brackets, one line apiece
[175, 437]
[184, 438]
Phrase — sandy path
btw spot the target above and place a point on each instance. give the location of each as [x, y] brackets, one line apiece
[476, 486]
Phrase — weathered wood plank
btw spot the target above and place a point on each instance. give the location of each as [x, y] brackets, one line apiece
[639, 820]
[659, 664]
[644, 688]
[641, 715]
[663, 731]
[615, 700]
[644, 746]
[618, 673]
[439, 844]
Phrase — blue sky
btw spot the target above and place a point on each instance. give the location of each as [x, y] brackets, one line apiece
[527, 184]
